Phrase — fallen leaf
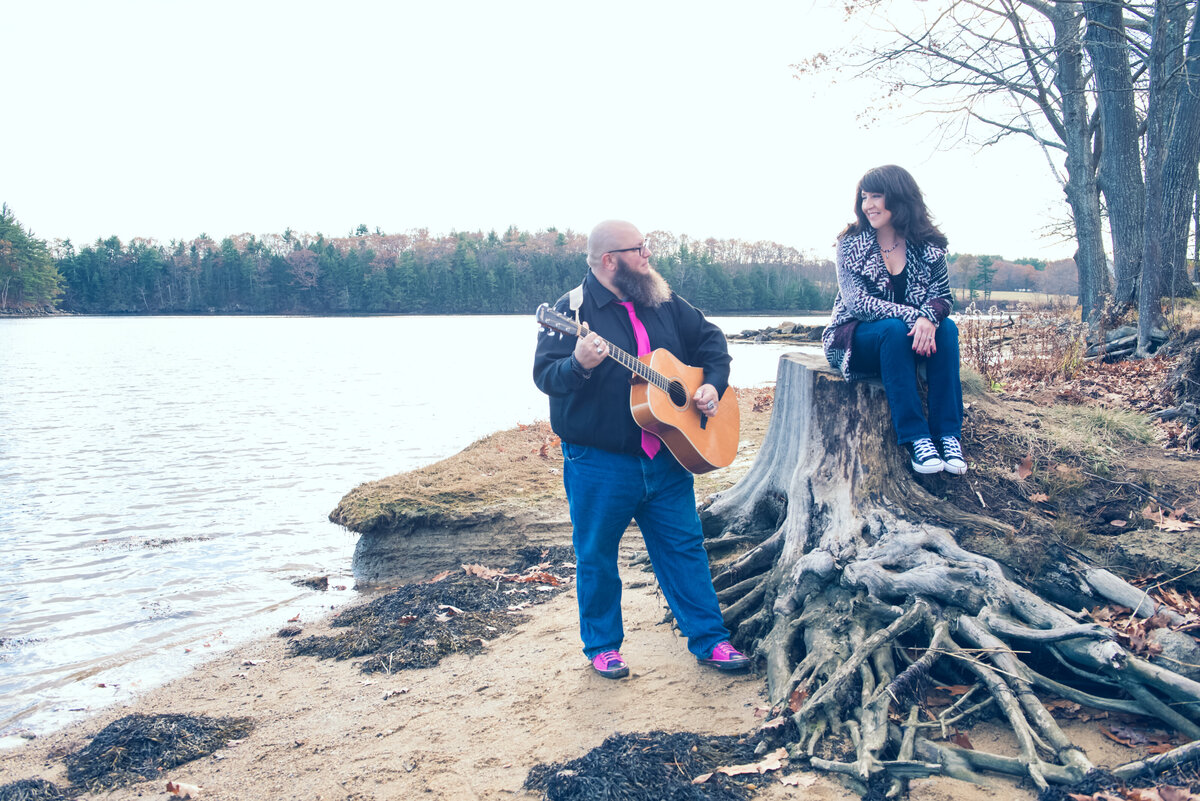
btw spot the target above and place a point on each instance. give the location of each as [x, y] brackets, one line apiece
[445, 574]
[1070, 472]
[954, 689]
[540, 578]
[1143, 794]
[1171, 524]
[183, 790]
[1025, 468]
[1118, 523]
[962, 740]
[1039, 497]
[482, 572]
[772, 761]
[295, 619]
[799, 779]
[1110, 735]
[797, 698]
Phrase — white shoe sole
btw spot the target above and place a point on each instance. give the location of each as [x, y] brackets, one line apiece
[928, 469]
[957, 470]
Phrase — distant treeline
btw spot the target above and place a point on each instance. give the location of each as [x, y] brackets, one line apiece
[980, 275]
[459, 273]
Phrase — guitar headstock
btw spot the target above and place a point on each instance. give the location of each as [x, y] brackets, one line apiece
[551, 319]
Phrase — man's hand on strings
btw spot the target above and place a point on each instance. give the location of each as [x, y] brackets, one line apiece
[706, 400]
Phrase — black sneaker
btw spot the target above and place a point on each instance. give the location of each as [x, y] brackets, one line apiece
[952, 456]
[925, 457]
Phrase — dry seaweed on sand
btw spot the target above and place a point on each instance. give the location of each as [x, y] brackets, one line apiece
[1099, 782]
[418, 624]
[31, 790]
[655, 766]
[140, 747]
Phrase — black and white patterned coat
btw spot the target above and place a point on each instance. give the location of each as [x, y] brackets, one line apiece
[865, 292]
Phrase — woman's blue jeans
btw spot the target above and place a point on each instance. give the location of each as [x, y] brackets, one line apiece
[606, 491]
[884, 347]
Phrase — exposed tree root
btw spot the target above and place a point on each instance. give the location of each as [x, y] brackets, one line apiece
[854, 596]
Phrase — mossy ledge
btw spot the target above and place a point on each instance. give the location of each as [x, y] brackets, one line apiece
[502, 493]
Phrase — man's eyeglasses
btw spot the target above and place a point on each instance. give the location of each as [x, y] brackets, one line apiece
[642, 250]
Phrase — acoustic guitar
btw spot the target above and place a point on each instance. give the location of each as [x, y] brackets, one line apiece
[660, 399]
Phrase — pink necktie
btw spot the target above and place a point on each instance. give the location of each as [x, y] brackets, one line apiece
[650, 443]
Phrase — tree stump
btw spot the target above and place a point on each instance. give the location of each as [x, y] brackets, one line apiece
[855, 595]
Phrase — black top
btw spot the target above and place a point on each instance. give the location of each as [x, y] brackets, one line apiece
[900, 284]
[594, 411]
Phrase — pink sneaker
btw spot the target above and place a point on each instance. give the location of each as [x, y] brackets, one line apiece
[726, 657]
[610, 665]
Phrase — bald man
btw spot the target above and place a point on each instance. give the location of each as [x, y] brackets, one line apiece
[614, 472]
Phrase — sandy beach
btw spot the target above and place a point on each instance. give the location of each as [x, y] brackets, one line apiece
[473, 726]
[470, 728]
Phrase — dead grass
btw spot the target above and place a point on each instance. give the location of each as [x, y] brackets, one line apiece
[528, 458]
[517, 469]
[1031, 299]
[1093, 432]
[1032, 347]
[1185, 314]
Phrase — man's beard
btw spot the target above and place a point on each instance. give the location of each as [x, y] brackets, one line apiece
[645, 290]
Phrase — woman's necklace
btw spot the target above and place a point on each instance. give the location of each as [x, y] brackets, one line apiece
[896, 244]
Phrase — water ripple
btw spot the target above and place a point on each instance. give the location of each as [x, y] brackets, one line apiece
[163, 480]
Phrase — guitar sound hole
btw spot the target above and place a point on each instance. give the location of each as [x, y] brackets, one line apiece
[678, 393]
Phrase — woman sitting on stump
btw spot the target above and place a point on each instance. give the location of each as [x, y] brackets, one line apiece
[892, 313]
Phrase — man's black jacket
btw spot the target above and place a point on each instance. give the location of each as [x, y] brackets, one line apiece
[595, 411]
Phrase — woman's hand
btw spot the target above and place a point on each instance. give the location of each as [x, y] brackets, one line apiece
[923, 335]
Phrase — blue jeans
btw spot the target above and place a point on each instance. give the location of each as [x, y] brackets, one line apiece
[884, 347]
[606, 491]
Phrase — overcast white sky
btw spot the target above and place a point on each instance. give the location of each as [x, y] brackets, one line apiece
[170, 119]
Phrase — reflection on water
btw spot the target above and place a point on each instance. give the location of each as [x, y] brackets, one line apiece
[163, 480]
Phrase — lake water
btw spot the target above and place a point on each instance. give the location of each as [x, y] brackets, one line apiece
[164, 480]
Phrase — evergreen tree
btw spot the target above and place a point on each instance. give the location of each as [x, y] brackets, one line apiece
[29, 277]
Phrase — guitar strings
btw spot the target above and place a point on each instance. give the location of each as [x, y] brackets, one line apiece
[638, 366]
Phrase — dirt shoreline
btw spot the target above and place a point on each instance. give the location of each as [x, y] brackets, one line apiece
[472, 727]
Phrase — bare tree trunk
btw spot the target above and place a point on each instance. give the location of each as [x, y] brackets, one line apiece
[1172, 152]
[1194, 275]
[1083, 195]
[1119, 175]
[855, 593]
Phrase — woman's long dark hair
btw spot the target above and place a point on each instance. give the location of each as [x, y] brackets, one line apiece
[903, 198]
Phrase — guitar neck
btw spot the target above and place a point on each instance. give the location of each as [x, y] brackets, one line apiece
[636, 366]
[565, 325]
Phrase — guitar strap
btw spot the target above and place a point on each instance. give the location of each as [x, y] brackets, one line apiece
[575, 299]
